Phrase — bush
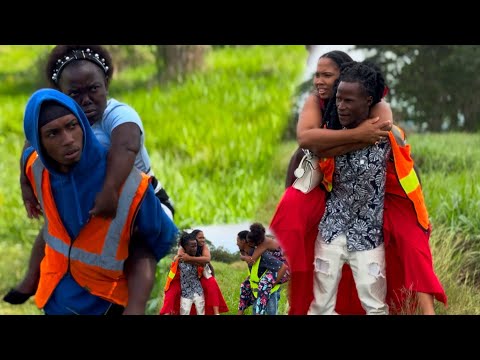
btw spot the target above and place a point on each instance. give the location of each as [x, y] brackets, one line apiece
[222, 255]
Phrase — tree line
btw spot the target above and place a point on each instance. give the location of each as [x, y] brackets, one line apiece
[434, 86]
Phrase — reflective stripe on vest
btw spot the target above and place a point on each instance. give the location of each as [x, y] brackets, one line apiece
[407, 176]
[254, 279]
[171, 274]
[410, 182]
[106, 259]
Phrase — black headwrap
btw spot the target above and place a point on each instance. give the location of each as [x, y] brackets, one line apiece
[51, 110]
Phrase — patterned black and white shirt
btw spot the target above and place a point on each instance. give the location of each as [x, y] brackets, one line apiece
[355, 205]
[189, 281]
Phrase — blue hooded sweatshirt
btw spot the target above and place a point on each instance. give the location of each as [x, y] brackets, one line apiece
[74, 193]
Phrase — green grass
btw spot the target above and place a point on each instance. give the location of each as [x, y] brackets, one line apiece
[16, 59]
[449, 171]
[13, 262]
[456, 265]
[215, 143]
[212, 138]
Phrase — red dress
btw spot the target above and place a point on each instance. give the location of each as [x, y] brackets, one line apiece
[407, 252]
[212, 292]
[213, 296]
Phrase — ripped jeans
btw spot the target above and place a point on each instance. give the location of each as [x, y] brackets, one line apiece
[368, 268]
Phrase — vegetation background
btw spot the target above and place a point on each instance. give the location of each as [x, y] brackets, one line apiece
[216, 136]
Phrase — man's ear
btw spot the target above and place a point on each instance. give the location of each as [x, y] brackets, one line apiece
[369, 100]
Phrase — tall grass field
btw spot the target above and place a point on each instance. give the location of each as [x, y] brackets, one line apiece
[215, 141]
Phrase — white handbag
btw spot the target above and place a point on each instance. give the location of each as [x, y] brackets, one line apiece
[207, 272]
[308, 173]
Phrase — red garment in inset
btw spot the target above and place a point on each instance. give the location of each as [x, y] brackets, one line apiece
[171, 298]
[212, 292]
[213, 296]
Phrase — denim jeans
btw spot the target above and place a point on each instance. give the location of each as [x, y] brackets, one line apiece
[272, 304]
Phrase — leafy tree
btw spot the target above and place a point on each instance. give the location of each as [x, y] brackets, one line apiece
[222, 255]
[432, 84]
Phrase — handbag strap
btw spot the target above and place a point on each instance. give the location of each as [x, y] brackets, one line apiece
[308, 155]
[303, 159]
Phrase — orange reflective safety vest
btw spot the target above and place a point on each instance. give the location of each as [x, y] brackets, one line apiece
[404, 170]
[96, 257]
[173, 272]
